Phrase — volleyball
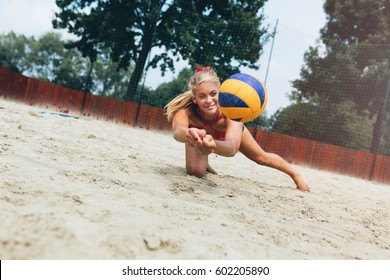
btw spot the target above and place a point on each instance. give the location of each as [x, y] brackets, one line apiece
[242, 97]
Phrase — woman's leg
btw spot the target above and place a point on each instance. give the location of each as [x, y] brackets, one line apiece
[196, 164]
[251, 149]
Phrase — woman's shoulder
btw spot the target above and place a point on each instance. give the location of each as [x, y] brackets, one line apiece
[189, 112]
[184, 114]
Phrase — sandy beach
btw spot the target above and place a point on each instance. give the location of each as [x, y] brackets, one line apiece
[79, 188]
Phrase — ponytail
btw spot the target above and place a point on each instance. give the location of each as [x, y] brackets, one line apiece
[179, 102]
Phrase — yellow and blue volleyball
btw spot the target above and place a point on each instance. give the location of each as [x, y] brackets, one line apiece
[242, 97]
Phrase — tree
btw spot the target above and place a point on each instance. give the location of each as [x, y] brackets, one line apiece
[14, 50]
[226, 34]
[107, 78]
[366, 25]
[51, 62]
[362, 27]
[357, 21]
[352, 65]
[47, 59]
[44, 58]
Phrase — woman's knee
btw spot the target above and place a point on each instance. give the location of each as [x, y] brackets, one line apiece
[263, 159]
[197, 171]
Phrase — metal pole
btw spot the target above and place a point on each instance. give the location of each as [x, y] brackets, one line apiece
[270, 54]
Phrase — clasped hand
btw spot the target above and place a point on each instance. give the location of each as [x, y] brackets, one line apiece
[203, 143]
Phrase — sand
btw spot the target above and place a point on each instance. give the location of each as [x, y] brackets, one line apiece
[79, 188]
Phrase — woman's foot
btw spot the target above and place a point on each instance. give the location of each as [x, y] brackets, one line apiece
[210, 169]
[301, 184]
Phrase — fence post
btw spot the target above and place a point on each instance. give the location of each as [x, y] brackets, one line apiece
[87, 86]
[381, 115]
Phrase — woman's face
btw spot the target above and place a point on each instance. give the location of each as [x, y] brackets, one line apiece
[206, 97]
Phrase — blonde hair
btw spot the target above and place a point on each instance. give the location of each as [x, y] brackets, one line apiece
[183, 100]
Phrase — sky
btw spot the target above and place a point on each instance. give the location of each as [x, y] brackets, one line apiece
[299, 23]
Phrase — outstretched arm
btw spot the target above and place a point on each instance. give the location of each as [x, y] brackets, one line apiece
[197, 138]
[206, 144]
[180, 123]
[230, 146]
[192, 136]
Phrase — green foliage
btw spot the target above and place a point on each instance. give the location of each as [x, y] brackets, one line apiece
[167, 91]
[357, 21]
[317, 123]
[226, 34]
[345, 73]
[14, 50]
[44, 58]
[53, 63]
[107, 78]
[47, 59]
[351, 67]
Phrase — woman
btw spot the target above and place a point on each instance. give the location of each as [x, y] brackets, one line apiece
[198, 122]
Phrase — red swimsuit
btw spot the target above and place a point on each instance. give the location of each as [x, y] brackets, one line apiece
[218, 135]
